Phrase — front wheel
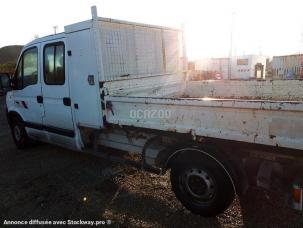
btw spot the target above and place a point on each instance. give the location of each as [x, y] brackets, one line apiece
[19, 134]
[203, 186]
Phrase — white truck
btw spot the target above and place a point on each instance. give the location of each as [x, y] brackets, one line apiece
[110, 83]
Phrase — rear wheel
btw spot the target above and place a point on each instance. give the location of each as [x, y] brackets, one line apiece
[202, 185]
[19, 134]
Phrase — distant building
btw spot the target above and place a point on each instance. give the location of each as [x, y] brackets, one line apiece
[248, 67]
[242, 67]
[287, 66]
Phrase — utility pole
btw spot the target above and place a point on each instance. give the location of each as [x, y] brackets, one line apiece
[231, 45]
[300, 55]
[184, 53]
[55, 27]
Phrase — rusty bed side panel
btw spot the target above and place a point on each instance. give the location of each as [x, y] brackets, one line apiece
[274, 123]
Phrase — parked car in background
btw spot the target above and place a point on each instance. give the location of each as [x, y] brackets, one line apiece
[4, 83]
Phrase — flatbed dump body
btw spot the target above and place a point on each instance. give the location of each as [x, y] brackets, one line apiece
[262, 112]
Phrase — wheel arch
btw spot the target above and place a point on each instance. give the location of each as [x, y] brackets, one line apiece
[11, 115]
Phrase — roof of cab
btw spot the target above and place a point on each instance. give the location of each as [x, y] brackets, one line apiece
[45, 39]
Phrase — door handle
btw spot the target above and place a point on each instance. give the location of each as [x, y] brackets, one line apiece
[67, 101]
[40, 99]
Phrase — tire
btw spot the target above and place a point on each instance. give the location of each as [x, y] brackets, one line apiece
[19, 134]
[202, 185]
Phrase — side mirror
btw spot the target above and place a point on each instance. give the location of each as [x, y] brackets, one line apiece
[5, 83]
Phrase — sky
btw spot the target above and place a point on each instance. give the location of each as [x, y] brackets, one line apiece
[264, 27]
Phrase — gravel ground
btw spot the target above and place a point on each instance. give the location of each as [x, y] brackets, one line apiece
[51, 183]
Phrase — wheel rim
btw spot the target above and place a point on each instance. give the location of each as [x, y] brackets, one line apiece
[17, 133]
[199, 184]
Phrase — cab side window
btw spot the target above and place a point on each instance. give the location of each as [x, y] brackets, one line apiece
[27, 70]
[54, 65]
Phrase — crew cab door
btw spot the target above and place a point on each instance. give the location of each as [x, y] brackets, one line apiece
[57, 120]
[27, 90]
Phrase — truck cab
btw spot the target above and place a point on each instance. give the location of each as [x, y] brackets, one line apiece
[61, 80]
[40, 97]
